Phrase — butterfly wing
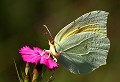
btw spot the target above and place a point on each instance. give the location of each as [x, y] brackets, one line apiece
[83, 52]
[84, 44]
[97, 18]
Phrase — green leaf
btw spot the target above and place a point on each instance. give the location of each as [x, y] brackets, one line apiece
[17, 71]
[27, 68]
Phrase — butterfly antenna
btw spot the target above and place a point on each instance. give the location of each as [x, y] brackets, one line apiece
[48, 31]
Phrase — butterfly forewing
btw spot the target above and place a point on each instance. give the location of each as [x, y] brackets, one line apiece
[91, 18]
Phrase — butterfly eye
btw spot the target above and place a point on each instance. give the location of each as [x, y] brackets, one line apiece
[52, 41]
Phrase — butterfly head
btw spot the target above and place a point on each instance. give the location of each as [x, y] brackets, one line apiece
[52, 49]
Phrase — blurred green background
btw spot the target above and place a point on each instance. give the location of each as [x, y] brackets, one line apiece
[21, 24]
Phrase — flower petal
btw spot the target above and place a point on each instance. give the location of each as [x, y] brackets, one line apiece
[48, 62]
[29, 55]
[37, 50]
[26, 50]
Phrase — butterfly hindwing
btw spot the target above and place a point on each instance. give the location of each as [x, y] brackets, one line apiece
[83, 52]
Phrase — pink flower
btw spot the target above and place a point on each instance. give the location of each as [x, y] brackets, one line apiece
[46, 60]
[37, 55]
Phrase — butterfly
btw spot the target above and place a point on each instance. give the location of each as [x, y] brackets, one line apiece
[82, 46]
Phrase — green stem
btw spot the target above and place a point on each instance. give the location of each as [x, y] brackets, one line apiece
[27, 78]
[37, 72]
